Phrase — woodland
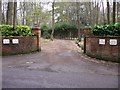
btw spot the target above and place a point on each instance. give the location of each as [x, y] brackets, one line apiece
[54, 16]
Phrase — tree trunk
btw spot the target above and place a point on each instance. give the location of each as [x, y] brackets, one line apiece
[118, 12]
[97, 12]
[9, 17]
[114, 11]
[90, 19]
[108, 12]
[52, 20]
[78, 21]
[3, 18]
[24, 9]
[0, 12]
[103, 12]
[3, 15]
[23, 18]
[15, 15]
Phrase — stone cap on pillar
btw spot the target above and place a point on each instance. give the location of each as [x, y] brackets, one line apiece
[36, 30]
[36, 27]
[87, 31]
[87, 27]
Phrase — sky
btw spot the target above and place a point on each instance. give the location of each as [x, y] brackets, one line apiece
[59, 0]
[48, 7]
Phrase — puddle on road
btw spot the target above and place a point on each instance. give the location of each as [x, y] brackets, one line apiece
[29, 62]
[38, 66]
[41, 67]
[66, 53]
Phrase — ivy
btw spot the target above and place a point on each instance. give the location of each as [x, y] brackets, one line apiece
[7, 30]
[106, 30]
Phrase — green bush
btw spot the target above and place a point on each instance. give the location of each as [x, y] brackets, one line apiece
[7, 30]
[46, 35]
[82, 47]
[106, 30]
[45, 31]
[63, 29]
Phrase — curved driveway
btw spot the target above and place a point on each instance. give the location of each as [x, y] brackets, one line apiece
[60, 64]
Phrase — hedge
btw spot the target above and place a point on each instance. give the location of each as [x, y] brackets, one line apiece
[61, 29]
[106, 30]
[45, 31]
[7, 30]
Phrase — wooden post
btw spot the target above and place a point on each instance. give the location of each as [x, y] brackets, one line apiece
[36, 31]
[84, 44]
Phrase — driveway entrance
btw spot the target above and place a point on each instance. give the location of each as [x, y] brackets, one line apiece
[58, 65]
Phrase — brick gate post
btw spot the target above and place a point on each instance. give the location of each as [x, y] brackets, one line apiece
[87, 33]
[36, 31]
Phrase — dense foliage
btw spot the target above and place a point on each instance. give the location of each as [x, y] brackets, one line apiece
[62, 29]
[7, 30]
[45, 31]
[106, 30]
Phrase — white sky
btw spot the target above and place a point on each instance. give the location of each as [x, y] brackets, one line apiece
[48, 7]
[58, 0]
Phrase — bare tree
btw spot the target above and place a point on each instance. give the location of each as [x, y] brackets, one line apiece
[97, 11]
[118, 11]
[53, 5]
[108, 12]
[103, 12]
[90, 20]
[15, 15]
[9, 17]
[78, 20]
[3, 13]
[22, 11]
[114, 11]
[0, 12]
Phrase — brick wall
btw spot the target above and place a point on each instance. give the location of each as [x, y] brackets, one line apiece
[26, 44]
[103, 51]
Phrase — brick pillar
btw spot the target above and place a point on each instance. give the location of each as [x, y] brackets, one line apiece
[87, 31]
[36, 31]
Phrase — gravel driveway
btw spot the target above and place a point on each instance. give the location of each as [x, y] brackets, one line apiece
[60, 64]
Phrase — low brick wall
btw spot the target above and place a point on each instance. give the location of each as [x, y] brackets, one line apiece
[25, 44]
[96, 47]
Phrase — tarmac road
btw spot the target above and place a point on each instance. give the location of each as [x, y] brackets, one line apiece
[58, 65]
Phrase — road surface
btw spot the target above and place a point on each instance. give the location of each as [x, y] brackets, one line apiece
[60, 64]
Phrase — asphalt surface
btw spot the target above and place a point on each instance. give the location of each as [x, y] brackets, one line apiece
[60, 64]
